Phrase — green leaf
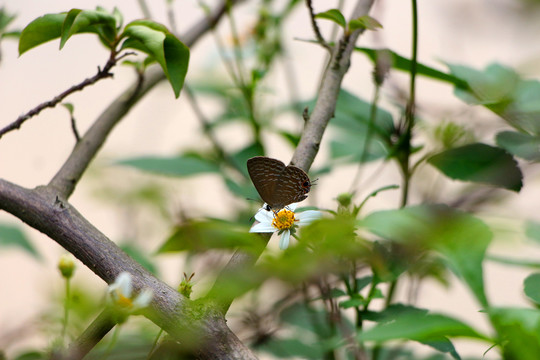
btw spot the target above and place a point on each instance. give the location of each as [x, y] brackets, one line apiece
[532, 287]
[352, 303]
[94, 21]
[140, 256]
[155, 40]
[354, 128]
[480, 163]
[41, 30]
[519, 332]
[171, 166]
[503, 91]
[520, 144]
[204, 235]
[292, 348]
[5, 19]
[333, 15]
[404, 64]
[364, 22]
[532, 230]
[419, 327]
[460, 237]
[12, 236]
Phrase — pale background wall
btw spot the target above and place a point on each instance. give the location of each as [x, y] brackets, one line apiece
[474, 33]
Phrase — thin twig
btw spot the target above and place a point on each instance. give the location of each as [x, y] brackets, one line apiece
[316, 29]
[101, 74]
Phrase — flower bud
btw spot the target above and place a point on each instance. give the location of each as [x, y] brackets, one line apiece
[66, 265]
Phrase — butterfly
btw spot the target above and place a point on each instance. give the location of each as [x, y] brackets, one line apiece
[277, 184]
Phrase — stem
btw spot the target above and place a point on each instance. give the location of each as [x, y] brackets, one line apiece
[154, 345]
[112, 343]
[410, 110]
[66, 309]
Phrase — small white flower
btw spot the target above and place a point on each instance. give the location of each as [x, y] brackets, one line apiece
[284, 222]
[121, 294]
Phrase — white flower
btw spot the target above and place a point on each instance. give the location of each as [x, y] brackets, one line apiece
[121, 294]
[284, 222]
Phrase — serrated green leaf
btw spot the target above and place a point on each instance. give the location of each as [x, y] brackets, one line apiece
[41, 30]
[480, 163]
[12, 236]
[460, 237]
[364, 22]
[532, 287]
[519, 144]
[171, 166]
[333, 15]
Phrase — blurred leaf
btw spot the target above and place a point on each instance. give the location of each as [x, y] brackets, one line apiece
[204, 235]
[532, 230]
[535, 264]
[171, 166]
[5, 19]
[41, 30]
[292, 138]
[352, 303]
[518, 329]
[519, 144]
[140, 256]
[419, 327]
[364, 22]
[333, 15]
[12, 236]
[460, 237]
[241, 157]
[404, 64]
[532, 287]
[352, 122]
[244, 190]
[287, 348]
[307, 318]
[503, 91]
[155, 40]
[32, 355]
[480, 163]
[94, 21]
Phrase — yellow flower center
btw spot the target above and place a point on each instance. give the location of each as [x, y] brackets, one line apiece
[284, 219]
[123, 301]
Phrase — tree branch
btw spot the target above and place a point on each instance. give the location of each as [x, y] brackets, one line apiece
[315, 27]
[101, 74]
[326, 100]
[42, 209]
[69, 175]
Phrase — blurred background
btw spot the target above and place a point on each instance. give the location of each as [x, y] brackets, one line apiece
[137, 208]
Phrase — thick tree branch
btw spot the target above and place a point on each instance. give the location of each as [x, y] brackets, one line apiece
[204, 327]
[69, 175]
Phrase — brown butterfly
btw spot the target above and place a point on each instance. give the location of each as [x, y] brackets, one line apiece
[277, 184]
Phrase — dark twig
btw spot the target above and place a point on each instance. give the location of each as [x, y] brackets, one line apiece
[316, 29]
[74, 127]
[101, 74]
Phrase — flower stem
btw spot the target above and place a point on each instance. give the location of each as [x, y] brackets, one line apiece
[66, 309]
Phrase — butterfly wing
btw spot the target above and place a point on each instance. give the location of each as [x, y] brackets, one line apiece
[292, 186]
[265, 173]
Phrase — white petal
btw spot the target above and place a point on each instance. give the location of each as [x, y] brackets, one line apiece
[264, 216]
[292, 206]
[262, 228]
[308, 216]
[122, 284]
[284, 241]
[143, 299]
